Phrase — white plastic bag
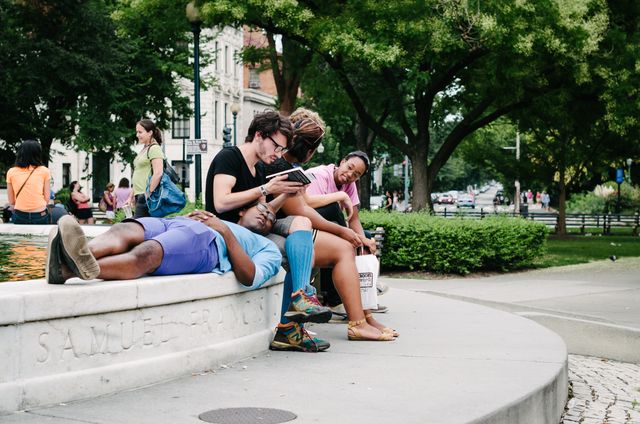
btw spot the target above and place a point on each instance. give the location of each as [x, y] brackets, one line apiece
[368, 270]
[128, 213]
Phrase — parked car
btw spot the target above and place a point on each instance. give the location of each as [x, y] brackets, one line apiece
[466, 201]
[454, 194]
[446, 198]
[500, 198]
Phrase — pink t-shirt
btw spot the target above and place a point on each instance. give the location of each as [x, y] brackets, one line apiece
[325, 184]
[122, 196]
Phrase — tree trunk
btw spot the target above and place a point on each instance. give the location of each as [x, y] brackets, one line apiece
[288, 101]
[562, 188]
[288, 68]
[364, 142]
[421, 184]
[46, 150]
[562, 205]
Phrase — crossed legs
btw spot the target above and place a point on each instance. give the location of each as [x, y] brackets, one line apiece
[122, 253]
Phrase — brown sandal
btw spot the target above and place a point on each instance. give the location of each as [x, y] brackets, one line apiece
[386, 330]
[354, 334]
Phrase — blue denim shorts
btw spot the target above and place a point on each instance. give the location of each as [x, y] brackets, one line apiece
[38, 218]
[189, 246]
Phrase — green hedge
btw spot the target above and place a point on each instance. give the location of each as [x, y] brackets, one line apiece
[419, 241]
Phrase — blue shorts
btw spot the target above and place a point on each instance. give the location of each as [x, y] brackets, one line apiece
[189, 246]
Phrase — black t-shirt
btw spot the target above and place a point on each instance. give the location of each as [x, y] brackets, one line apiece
[278, 165]
[230, 161]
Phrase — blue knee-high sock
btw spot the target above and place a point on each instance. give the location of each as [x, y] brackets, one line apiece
[286, 297]
[299, 249]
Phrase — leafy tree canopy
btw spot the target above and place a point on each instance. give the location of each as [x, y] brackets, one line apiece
[476, 61]
[83, 71]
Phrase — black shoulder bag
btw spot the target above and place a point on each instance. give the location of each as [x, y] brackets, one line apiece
[167, 169]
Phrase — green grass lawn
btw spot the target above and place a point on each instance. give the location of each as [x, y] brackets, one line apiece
[581, 249]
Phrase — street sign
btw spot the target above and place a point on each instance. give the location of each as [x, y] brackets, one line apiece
[196, 147]
[619, 175]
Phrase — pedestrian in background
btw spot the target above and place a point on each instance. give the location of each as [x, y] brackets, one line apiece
[124, 197]
[148, 163]
[388, 201]
[82, 204]
[110, 200]
[545, 198]
[28, 186]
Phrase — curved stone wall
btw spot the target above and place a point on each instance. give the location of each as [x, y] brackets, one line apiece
[83, 339]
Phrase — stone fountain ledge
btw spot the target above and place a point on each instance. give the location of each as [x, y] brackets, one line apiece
[455, 361]
[84, 339]
[43, 230]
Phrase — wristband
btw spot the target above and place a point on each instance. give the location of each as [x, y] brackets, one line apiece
[263, 190]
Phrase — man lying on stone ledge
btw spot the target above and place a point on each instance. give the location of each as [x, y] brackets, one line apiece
[200, 243]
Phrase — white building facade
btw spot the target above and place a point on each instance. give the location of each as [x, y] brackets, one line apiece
[94, 169]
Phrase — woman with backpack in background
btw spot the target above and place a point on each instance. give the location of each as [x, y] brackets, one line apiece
[149, 162]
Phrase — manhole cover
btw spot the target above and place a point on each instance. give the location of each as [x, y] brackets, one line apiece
[247, 416]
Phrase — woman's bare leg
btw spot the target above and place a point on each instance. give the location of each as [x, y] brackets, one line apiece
[331, 250]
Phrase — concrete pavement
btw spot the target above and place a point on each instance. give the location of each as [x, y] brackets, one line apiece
[595, 307]
[454, 362]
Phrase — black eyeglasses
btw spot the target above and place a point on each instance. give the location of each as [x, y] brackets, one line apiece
[263, 209]
[278, 148]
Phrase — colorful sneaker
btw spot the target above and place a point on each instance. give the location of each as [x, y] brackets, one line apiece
[307, 309]
[292, 336]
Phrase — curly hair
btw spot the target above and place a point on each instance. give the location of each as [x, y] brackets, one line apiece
[308, 133]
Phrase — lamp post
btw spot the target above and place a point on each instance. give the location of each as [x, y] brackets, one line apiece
[235, 108]
[180, 129]
[193, 15]
[517, 181]
[629, 162]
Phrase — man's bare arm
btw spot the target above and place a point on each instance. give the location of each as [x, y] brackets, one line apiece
[225, 200]
[243, 267]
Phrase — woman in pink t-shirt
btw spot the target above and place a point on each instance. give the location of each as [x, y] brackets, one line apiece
[337, 184]
[124, 196]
